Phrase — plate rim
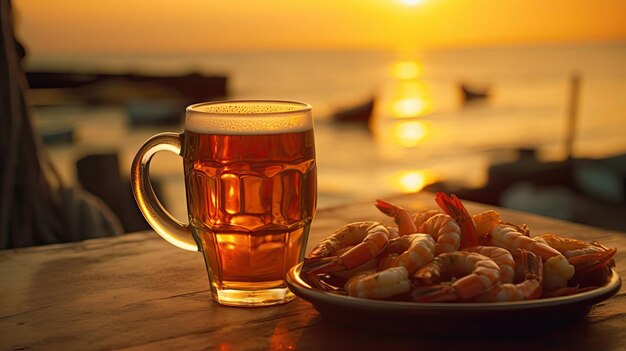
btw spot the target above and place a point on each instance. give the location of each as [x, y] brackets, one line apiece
[299, 287]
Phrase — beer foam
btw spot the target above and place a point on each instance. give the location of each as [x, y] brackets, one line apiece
[249, 117]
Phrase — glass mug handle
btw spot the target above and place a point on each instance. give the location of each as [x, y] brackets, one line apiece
[157, 216]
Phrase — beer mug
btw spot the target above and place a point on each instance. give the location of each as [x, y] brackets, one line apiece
[250, 179]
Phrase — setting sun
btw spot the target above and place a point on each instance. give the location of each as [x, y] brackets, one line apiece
[412, 2]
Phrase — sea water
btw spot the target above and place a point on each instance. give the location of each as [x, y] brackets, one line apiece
[421, 131]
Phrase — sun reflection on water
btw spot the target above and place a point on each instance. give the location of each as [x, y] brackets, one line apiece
[409, 133]
[402, 106]
[409, 95]
[413, 180]
[408, 107]
[406, 70]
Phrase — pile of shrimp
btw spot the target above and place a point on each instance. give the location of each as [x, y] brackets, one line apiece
[448, 255]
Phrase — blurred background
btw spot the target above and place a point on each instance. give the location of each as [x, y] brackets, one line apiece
[516, 103]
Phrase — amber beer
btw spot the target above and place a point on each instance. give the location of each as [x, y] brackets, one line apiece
[250, 174]
[250, 178]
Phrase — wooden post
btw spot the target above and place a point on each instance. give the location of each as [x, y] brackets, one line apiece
[572, 115]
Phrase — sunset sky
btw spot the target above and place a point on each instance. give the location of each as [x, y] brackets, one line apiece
[170, 26]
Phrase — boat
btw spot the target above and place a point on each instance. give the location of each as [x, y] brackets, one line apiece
[472, 93]
[360, 113]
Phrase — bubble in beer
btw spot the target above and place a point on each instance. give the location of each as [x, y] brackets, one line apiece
[249, 117]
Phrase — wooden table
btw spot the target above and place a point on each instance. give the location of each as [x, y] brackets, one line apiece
[139, 292]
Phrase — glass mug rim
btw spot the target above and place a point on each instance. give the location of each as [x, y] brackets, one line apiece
[248, 109]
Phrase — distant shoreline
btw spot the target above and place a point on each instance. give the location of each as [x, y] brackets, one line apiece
[425, 50]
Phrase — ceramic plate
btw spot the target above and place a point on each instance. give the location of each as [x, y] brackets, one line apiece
[446, 318]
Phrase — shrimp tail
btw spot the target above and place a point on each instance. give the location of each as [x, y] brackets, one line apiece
[585, 263]
[401, 217]
[453, 207]
[611, 262]
[385, 207]
[592, 269]
[362, 254]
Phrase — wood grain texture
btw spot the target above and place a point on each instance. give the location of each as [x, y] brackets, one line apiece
[138, 292]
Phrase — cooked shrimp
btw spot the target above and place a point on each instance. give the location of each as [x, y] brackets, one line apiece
[442, 227]
[501, 257]
[393, 232]
[590, 260]
[570, 247]
[415, 250]
[400, 215]
[444, 230]
[368, 238]
[379, 285]
[448, 229]
[485, 222]
[556, 269]
[455, 209]
[522, 228]
[508, 237]
[529, 289]
[477, 274]
[423, 215]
